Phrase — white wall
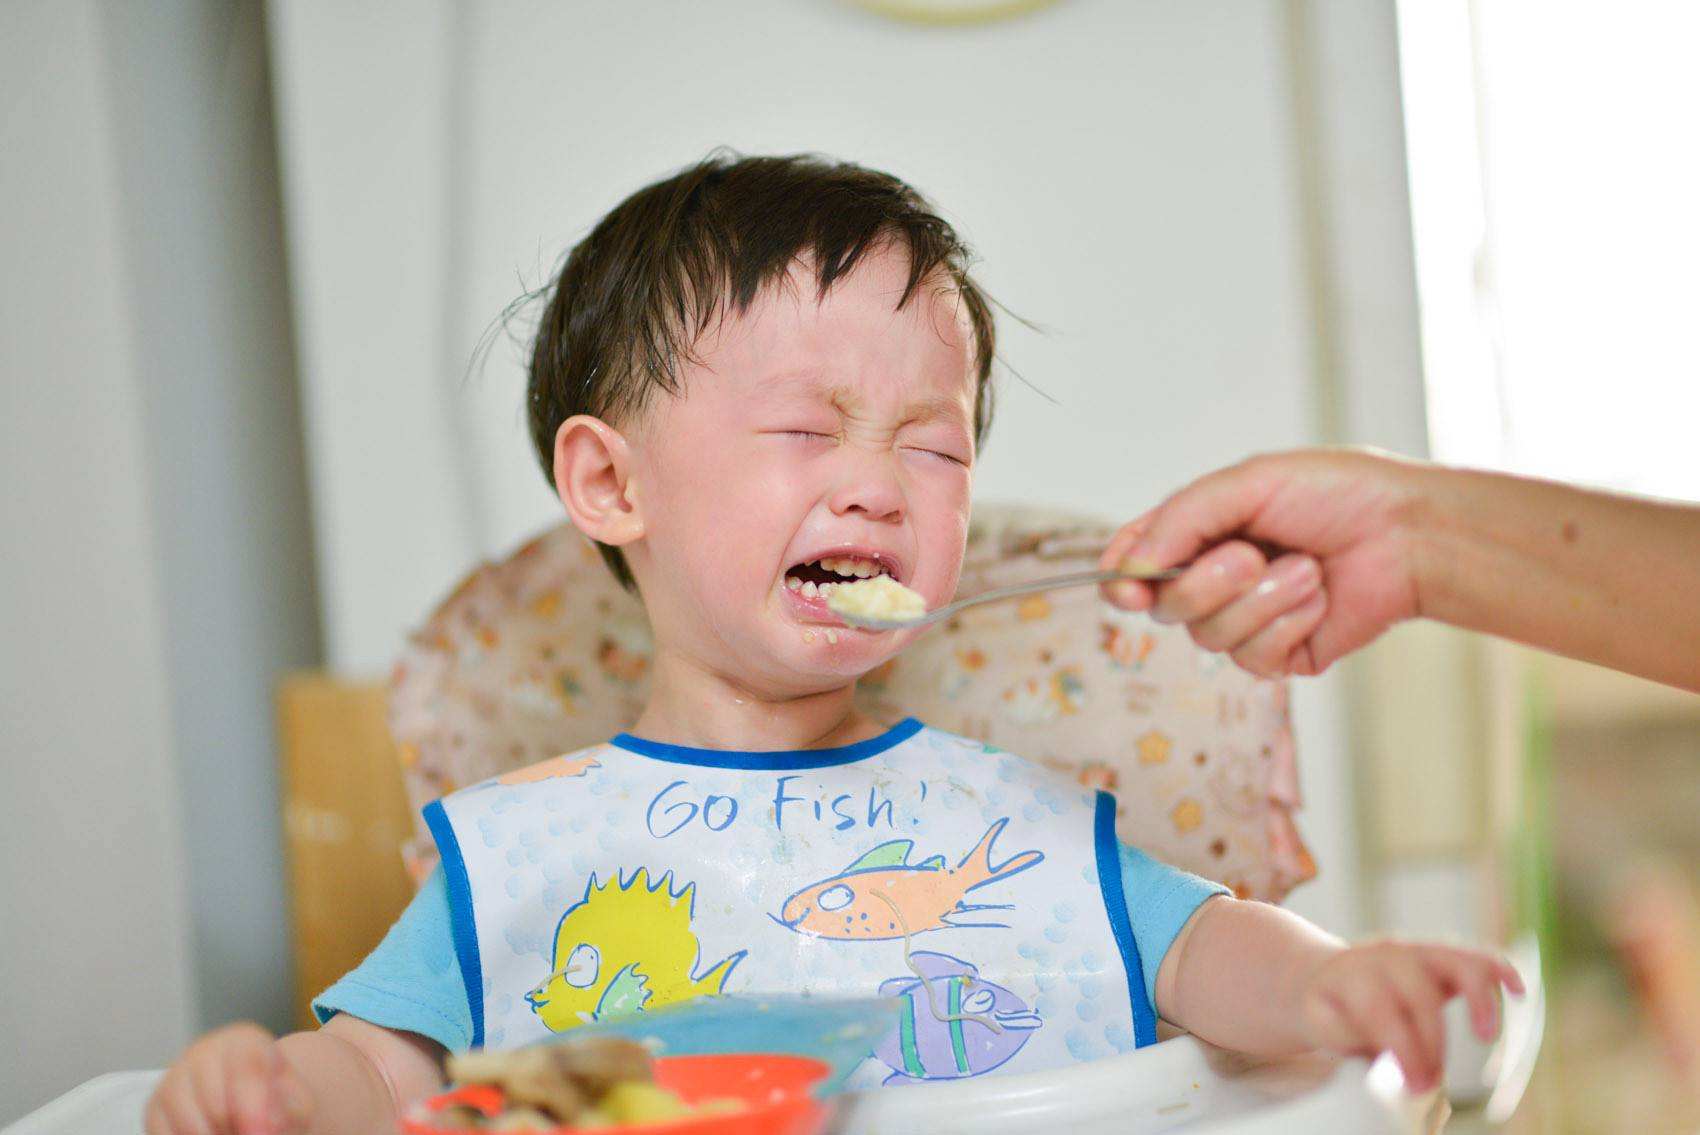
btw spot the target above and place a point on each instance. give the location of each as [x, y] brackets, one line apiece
[157, 571]
[209, 299]
[94, 949]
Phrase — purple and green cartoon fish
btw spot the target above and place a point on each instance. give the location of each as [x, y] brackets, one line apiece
[951, 1045]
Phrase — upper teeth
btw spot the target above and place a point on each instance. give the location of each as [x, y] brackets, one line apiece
[851, 566]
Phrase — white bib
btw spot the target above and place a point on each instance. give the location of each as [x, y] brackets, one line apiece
[634, 874]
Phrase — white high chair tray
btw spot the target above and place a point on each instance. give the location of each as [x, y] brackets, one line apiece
[1181, 1084]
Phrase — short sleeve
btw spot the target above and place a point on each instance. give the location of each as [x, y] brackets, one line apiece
[1160, 899]
[412, 981]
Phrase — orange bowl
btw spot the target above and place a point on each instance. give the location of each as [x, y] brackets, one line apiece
[777, 1092]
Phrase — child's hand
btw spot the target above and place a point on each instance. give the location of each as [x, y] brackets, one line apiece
[1388, 996]
[231, 1082]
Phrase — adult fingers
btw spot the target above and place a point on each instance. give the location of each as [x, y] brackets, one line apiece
[1127, 594]
[1216, 505]
[1216, 579]
[1273, 651]
[1285, 584]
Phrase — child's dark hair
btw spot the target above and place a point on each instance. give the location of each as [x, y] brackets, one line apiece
[669, 260]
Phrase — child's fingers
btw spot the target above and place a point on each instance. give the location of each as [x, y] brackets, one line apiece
[1331, 1027]
[154, 1119]
[207, 1082]
[1270, 652]
[1422, 999]
[251, 1105]
[290, 1096]
[1477, 976]
[1391, 1030]
[1384, 1026]
[173, 1110]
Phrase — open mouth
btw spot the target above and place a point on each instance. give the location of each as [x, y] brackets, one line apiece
[816, 579]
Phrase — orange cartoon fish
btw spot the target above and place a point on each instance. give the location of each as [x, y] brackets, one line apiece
[565, 765]
[882, 895]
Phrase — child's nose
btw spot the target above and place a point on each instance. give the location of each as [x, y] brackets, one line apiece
[870, 489]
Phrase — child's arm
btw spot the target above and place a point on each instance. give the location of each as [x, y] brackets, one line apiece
[349, 1076]
[1258, 979]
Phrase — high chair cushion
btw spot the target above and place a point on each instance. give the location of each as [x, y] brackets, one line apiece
[544, 653]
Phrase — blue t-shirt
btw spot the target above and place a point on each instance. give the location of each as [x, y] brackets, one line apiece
[412, 981]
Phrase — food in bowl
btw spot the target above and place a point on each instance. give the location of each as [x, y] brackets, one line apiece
[582, 1085]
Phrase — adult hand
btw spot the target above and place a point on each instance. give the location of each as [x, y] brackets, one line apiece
[1301, 557]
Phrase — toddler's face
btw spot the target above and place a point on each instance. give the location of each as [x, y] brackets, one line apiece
[810, 442]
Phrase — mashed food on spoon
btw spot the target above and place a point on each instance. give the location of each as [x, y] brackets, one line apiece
[877, 597]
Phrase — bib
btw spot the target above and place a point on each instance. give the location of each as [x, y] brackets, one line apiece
[981, 891]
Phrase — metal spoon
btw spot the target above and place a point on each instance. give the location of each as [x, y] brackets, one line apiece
[1076, 579]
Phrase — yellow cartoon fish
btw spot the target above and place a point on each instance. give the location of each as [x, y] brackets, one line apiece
[626, 946]
[882, 895]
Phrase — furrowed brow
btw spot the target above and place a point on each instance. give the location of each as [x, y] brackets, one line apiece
[939, 408]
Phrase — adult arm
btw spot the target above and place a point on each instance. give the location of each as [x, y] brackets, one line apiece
[1302, 557]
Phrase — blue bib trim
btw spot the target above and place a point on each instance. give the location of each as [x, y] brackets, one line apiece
[1115, 902]
[461, 926]
[784, 760]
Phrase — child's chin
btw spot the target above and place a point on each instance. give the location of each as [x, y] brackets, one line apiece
[814, 651]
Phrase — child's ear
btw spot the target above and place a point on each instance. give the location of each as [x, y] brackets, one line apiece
[593, 480]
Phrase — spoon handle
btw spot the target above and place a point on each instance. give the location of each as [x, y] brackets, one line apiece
[1050, 583]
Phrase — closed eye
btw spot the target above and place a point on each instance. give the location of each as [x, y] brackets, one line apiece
[809, 437]
[950, 457]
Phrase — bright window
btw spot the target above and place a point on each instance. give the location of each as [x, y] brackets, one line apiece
[1555, 186]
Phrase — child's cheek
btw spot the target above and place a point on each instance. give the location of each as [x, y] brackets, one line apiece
[944, 535]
